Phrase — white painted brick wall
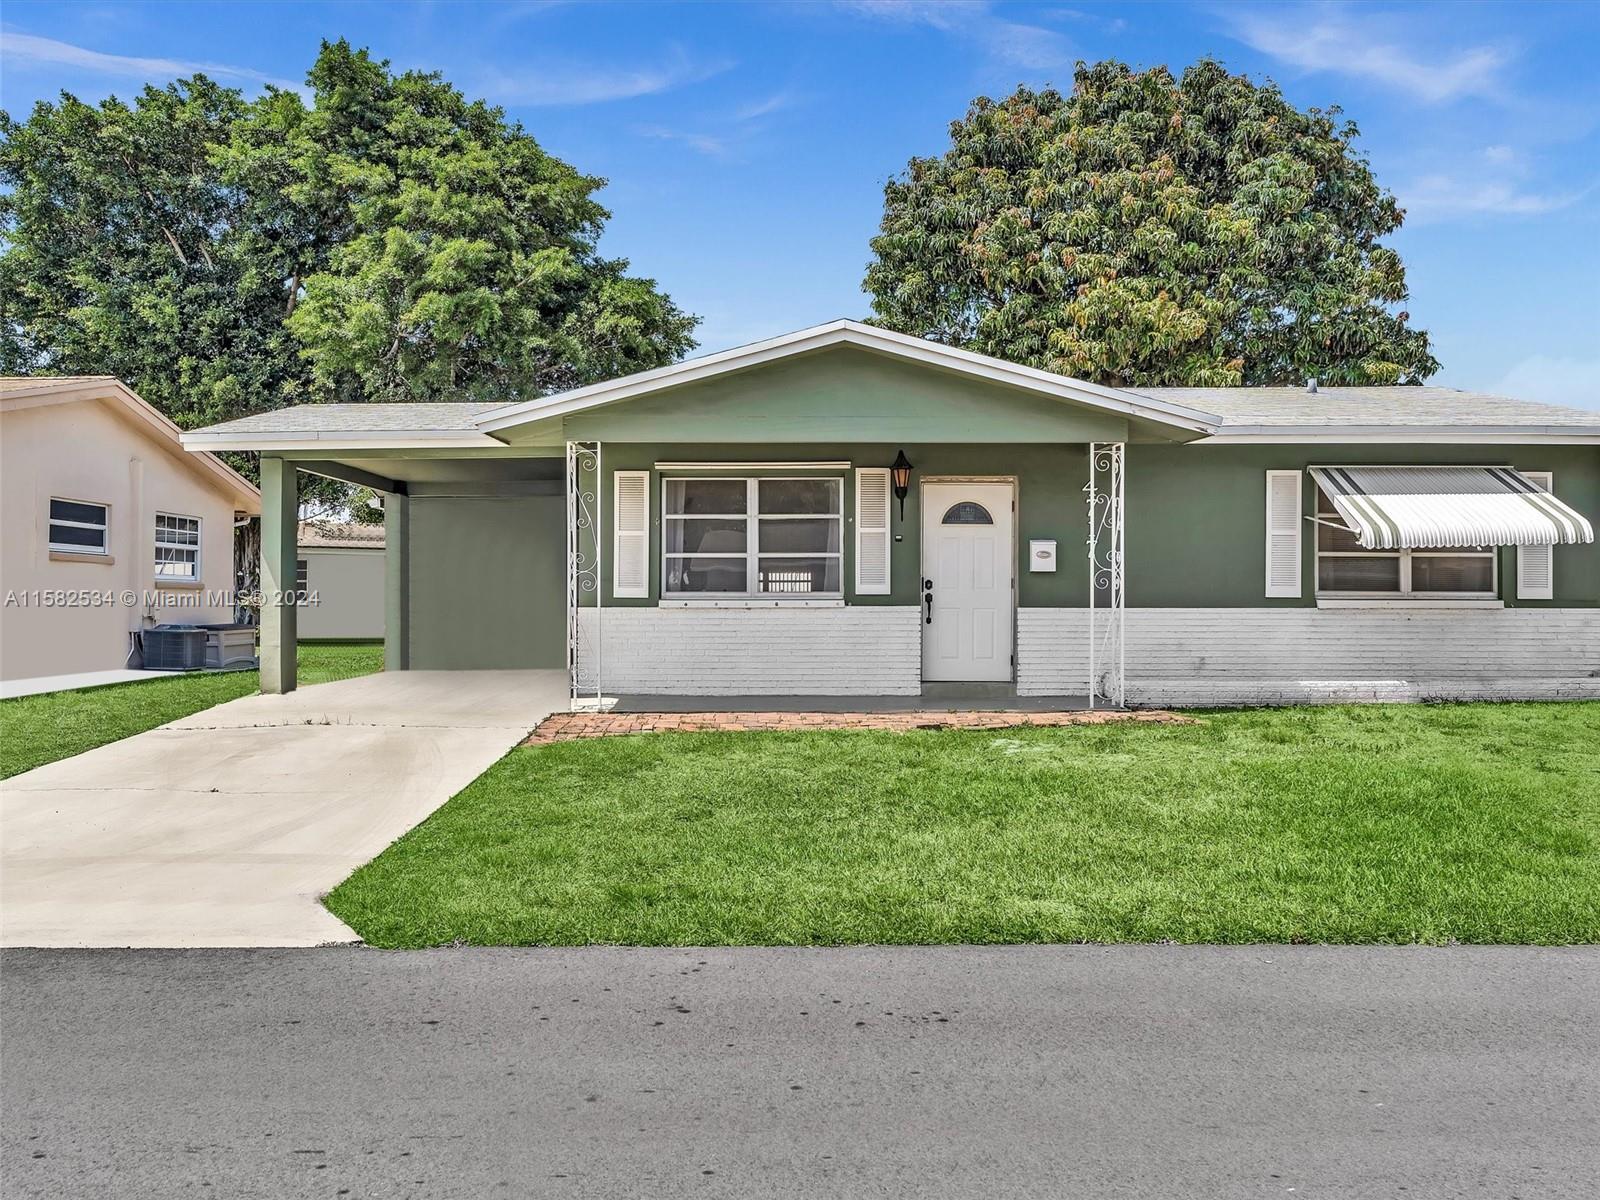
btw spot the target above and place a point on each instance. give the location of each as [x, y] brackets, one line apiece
[1201, 656]
[859, 650]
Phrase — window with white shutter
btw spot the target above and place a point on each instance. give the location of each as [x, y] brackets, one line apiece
[630, 541]
[1283, 533]
[872, 531]
[1536, 577]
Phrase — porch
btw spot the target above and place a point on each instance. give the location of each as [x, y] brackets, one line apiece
[521, 558]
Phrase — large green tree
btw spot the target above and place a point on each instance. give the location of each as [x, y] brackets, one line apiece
[387, 240]
[122, 256]
[1151, 230]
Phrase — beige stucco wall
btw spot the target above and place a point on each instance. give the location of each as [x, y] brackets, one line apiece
[347, 584]
[84, 450]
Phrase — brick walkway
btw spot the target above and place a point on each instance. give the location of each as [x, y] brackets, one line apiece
[564, 727]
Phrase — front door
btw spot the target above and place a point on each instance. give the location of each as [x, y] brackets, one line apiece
[967, 576]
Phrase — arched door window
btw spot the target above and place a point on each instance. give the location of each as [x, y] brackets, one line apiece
[968, 512]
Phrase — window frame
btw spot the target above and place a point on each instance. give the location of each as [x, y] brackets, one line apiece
[1323, 510]
[158, 544]
[55, 547]
[752, 553]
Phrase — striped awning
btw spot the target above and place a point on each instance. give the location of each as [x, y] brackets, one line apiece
[1389, 508]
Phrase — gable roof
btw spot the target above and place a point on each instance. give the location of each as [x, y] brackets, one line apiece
[867, 337]
[19, 392]
[1216, 415]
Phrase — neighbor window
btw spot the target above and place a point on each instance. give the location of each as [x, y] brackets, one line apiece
[1345, 568]
[78, 526]
[752, 537]
[177, 548]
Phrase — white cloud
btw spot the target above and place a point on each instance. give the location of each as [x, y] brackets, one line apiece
[544, 85]
[1102, 23]
[26, 48]
[1571, 381]
[1438, 197]
[757, 109]
[1031, 47]
[702, 143]
[1333, 38]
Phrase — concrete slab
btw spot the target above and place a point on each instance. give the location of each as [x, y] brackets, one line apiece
[225, 828]
[934, 698]
[39, 685]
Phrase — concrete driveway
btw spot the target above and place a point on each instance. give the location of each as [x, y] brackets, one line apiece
[225, 828]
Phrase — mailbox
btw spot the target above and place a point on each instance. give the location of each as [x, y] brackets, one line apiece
[1042, 555]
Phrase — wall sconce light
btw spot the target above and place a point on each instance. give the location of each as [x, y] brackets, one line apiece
[900, 472]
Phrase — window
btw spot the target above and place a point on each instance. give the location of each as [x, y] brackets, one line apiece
[1343, 566]
[177, 548]
[752, 537]
[300, 573]
[78, 526]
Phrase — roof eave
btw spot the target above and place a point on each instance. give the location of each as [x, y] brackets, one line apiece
[1237, 435]
[376, 439]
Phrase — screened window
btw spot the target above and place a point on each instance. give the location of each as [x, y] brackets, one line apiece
[752, 537]
[177, 548]
[78, 526]
[1344, 567]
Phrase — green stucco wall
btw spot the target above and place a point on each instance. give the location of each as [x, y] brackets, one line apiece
[856, 397]
[487, 581]
[1195, 522]
[1050, 504]
[1196, 517]
[486, 571]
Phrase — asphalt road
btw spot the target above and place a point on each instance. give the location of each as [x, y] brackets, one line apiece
[985, 1072]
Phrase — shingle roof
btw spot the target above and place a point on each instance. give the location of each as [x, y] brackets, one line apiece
[1242, 407]
[342, 534]
[1369, 406]
[360, 418]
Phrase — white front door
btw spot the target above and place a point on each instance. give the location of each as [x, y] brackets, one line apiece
[967, 572]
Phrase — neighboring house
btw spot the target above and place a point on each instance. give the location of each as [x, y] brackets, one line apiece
[340, 571]
[1248, 544]
[109, 526]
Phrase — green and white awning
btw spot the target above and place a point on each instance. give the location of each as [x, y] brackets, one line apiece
[1426, 508]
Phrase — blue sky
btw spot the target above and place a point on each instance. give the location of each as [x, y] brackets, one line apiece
[747, 145]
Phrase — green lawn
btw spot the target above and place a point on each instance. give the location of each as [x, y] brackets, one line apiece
[1473, 823]
[35, 730]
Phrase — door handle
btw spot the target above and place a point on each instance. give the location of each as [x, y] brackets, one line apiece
[927, 598]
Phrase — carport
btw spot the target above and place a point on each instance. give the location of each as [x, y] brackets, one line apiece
[475, 531]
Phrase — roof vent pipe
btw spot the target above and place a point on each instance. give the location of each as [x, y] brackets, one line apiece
[1311, 385]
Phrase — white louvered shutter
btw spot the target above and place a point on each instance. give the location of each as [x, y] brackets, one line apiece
[1536, 576]
[1283, 533]
[872, 531]
[630, 542]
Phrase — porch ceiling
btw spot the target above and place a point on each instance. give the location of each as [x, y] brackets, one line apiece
[425, 467]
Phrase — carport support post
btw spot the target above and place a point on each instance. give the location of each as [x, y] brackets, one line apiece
[280, 513]
[396, 581]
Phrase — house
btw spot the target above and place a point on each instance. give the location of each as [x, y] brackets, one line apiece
[339, 570]
[846, 510]
[109, 526]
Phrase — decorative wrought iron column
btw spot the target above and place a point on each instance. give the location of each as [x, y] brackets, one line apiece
[1106, 580]
[585, 646]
